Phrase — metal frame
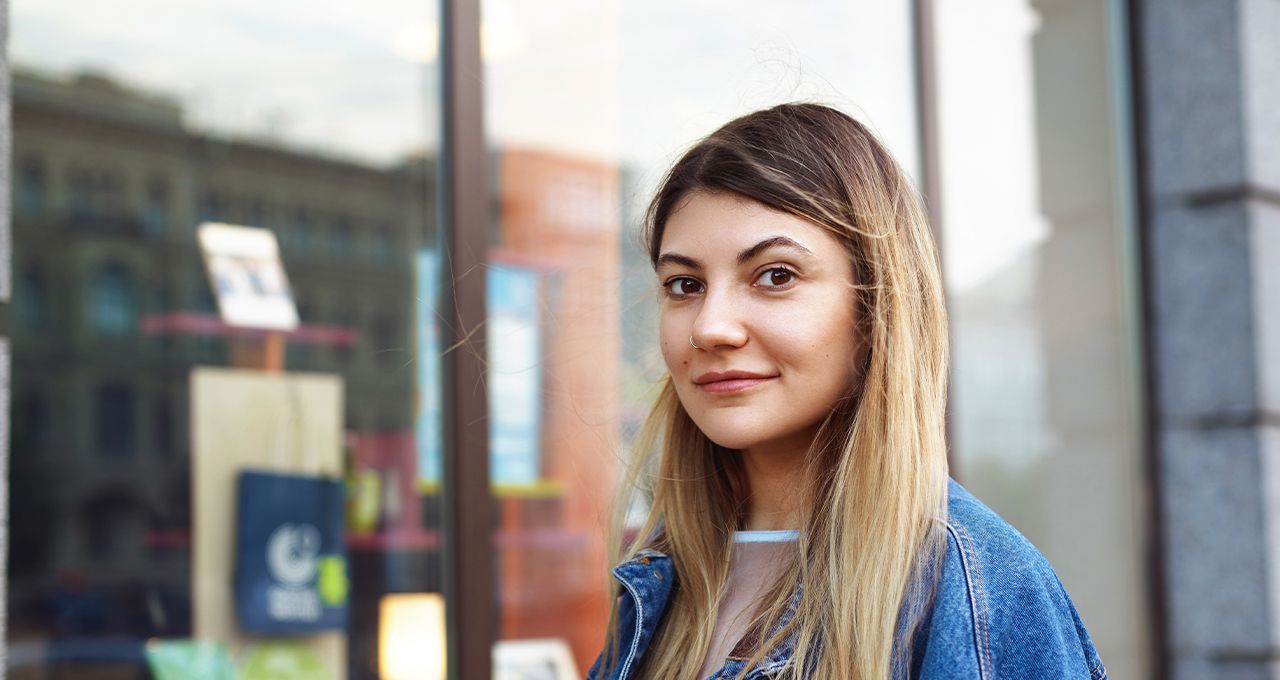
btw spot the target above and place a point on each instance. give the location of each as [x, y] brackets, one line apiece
[1131, 12]
[5, 254]
[930, 157]
[927, 112]
[468, 529]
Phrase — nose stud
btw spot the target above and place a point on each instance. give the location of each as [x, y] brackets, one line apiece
[691, 342]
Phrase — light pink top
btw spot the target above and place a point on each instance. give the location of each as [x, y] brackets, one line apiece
[758, 558]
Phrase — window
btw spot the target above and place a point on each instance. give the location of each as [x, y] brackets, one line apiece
[211, 207]
[127, 163]
[155, 212]
[30, 418]
[298, 236]
[162, 425]
[379, 246]
[114, 426]
[79, 193]
[112, 301]
[1045, 388]
[30, 300]
[342, 239]
[32, 189]
[109, 194]
[106, 526]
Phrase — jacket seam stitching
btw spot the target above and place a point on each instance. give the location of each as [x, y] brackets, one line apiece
[1097, 673]
[973, 600]
[635, 638]
[982, 592]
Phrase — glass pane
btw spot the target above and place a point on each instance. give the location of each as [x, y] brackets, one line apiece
[586, 105]
[240, 497]
[1040, 278]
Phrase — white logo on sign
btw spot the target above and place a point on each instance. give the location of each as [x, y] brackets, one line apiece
[292, 553]
[292, 558]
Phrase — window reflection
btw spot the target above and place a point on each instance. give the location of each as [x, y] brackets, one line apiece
[114, 419]
[126, 139]
[32, 187]
[30, 300]
[112, 305]
[1043, 393]
[570, 380]
[155, 212]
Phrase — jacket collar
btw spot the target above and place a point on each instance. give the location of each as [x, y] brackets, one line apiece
[647, 578]
[649, 575]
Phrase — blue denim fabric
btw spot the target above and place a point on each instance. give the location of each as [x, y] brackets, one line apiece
[999, 612]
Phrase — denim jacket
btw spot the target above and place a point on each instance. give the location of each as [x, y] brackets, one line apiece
[999, 611]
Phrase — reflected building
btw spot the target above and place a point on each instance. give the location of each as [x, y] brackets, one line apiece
[112, 309]
[558, 217]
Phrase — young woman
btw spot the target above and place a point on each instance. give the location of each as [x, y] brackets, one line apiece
[802, 523]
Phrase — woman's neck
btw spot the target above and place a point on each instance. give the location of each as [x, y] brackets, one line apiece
[775, 483]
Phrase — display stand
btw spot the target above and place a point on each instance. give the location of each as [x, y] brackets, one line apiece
[254, 416]
[237, 422]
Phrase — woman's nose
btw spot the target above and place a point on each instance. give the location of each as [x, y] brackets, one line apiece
[719, 324]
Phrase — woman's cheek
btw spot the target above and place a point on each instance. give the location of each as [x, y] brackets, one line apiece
[673, 355]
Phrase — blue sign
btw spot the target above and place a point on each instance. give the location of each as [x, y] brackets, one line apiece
[514, 350]
[513, 372]
[291, 564]
[429, 417]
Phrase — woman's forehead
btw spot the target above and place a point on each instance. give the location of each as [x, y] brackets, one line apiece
[724, 225]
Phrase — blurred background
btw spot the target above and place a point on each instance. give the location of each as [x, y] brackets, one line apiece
[1104, 182]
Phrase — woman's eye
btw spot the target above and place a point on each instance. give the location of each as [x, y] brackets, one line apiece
[776, 277]
[682, 286]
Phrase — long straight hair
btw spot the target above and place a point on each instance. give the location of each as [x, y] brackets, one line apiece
[876, 474]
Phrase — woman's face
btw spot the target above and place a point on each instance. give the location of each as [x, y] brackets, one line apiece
[768, 299]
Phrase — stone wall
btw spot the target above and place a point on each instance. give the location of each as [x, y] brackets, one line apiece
[1210, 74]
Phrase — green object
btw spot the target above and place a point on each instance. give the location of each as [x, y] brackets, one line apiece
[363, 501]
[189, 660]
[331, 581]
[282, 661]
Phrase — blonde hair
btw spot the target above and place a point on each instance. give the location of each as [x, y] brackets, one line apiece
[876, 472]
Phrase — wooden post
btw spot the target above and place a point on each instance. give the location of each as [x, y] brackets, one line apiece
[262, 352]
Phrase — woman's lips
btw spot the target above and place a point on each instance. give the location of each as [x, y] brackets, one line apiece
[731, 385]
[725, 382]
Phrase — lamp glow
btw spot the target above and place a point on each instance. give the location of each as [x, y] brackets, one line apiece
[411, 643]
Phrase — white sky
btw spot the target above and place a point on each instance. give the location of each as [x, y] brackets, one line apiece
[321, 75]
[990, 198]
[587, 77]
[610, 80]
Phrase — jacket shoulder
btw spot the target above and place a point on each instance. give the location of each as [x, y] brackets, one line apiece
[1001, 605]
[986, 537]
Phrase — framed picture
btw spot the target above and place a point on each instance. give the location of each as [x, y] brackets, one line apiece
[247, 276]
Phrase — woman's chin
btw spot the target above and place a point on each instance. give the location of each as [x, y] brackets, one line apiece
[757, 433]
[731, 438]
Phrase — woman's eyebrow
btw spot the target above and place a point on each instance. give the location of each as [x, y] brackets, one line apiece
[743, 257]
[676, 258]
[772, 242]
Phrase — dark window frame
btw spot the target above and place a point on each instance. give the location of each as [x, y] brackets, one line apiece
[115, 420]
[464, 212]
